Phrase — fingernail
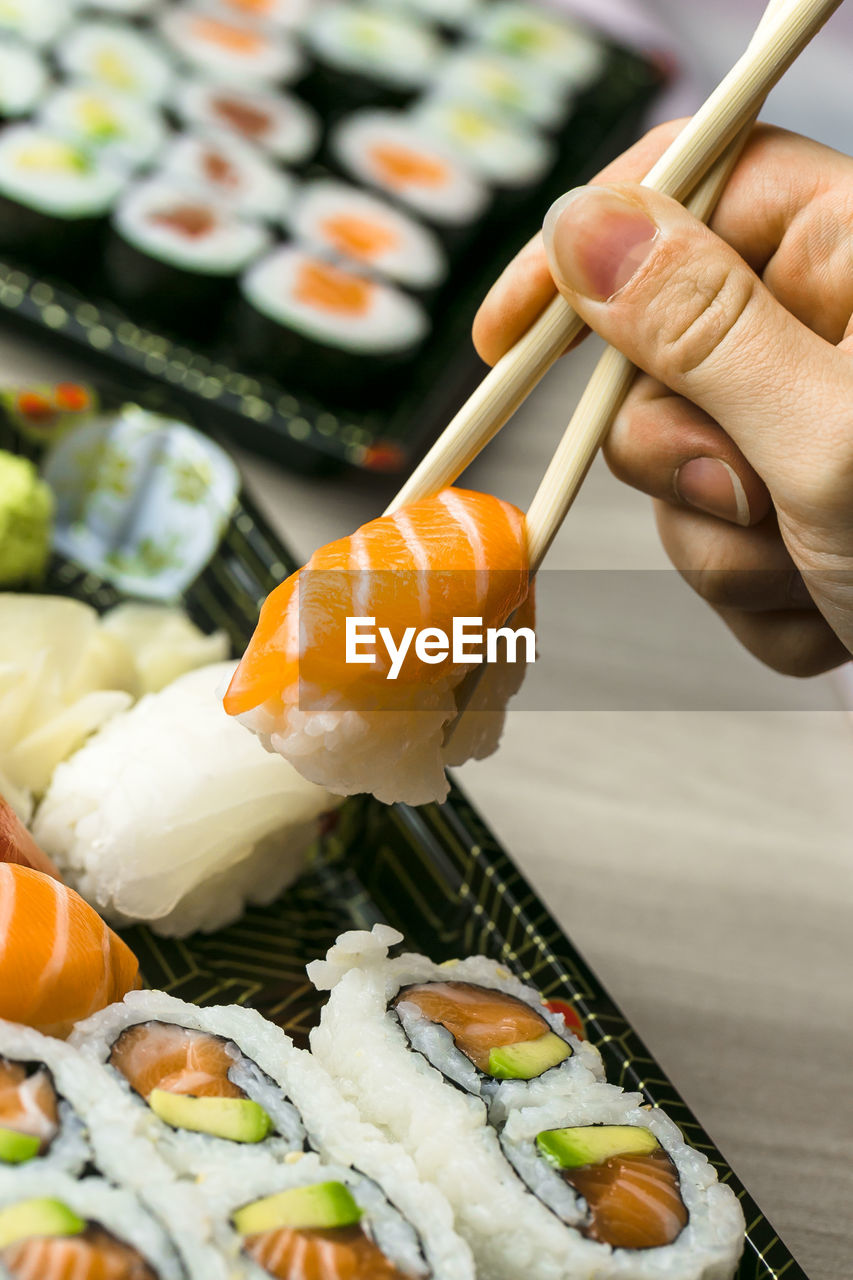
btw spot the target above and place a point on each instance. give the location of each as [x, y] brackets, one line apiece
[711, 485]
[596, 241]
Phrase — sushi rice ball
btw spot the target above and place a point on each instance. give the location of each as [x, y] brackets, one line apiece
[521, 88]
[217, 44]
[548, 40]
[498, 150]
[394, 153]
[399, 51]
[114, 124]
[117, 57]
[43, 170]
[36, 21]
[23, 79]
[233, 171]
[337, 218]
[327, 304]
[289, 14]
[170, 221]
[278, 122]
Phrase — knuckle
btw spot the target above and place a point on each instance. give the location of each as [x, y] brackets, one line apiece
[703, 318]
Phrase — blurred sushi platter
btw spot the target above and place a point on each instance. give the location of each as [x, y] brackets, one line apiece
[225, 873]
[288, 210]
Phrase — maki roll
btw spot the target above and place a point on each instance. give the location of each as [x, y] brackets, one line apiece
[221, 46]
[114, 125]
[546, 39]
[116, 56]
[176, 253]
[23, 79]
[230, 170]
[52, 1226]
[635, 1199]
[36, 21]
[516, 87]
[390, 151]
[312, 1217]
[196, 1082]
[53, 194]
[279, 123]
[334, 331]
[502, 152]
[367, 54]
[41, 1122]
[340, 219]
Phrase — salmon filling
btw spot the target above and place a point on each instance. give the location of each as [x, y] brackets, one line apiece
[28, 1102]
[228, 36]
[251, 121]
[188, 220]
[634, 1201]
[94, 1255]
[159, 1055]
[478, 1018]
[330, 289]
[401, 167]
[358, 237]
[218, 169]
[337, 1253]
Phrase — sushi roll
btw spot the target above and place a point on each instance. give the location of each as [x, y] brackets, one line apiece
[389, 151]
[516, 87]
[277, 122]
[23, 79]
[41, 1117]
[232, 823]
[176, 253]
[366, 54]
[54, 194]
[336, 332]
[58, 960]
[313, 1217]
[52, 1225]
[549, 40]
[635, 1200]
[217, 44]
[340, 219]
[115, 56]
[198, 1080]
[232, 171]
[114, 125]
[37, 22]
[502, 152]
[378, 725]
[425, 1093]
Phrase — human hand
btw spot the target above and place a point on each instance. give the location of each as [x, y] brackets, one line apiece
[741, 427]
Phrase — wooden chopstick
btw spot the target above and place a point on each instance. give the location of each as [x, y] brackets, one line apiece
[603, 397]
[734, 102]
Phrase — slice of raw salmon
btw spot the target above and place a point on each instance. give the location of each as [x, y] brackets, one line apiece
[160, 1055]
[342, 1253]
[28, 1102]
[478, 1018]
[94, 1255]
[634, 1201]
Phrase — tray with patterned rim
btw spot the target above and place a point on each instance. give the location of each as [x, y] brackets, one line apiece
[436, 873]
[274, 419]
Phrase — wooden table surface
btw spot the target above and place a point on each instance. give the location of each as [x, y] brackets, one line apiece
[685, 815]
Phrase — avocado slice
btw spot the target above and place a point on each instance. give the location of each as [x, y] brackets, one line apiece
[593, 1144]
[318, 1207]
[238, 1119]
[17, 1148]
[528, 1058]
[44, 1217]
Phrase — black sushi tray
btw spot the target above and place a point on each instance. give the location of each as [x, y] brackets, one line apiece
[436, 873]
[275, 419]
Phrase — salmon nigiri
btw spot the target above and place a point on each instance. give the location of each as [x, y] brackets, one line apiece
[368, 712]
[17, 845]
[59, 962]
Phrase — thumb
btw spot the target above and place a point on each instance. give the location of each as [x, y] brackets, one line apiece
[681, 304]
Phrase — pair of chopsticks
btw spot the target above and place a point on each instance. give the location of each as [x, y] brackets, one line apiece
[694, 169]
